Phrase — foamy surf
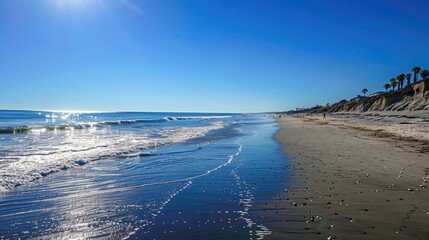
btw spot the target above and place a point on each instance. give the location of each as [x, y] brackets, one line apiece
[41, 155]
[70, 122]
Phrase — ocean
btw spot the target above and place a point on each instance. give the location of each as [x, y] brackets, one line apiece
[135, 175]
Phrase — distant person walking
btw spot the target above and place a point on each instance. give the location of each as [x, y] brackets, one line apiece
[324, 116]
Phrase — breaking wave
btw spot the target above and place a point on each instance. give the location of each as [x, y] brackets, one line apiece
[88, 125]
[40, 155]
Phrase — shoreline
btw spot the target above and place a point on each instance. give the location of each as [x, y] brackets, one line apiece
[349, 182]
[202, 188]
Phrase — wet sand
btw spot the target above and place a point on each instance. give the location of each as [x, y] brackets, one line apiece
[350, 183]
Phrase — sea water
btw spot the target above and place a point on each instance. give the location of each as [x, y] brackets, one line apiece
[70, 175]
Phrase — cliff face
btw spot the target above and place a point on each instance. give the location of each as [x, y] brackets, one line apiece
[412, 98]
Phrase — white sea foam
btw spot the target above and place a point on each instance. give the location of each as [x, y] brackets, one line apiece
[32, 156]
[246, 200]
[196, 117]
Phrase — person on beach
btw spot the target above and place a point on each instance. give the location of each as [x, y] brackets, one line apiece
[324, 116]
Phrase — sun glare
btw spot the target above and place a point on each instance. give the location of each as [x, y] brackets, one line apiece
[66, 4]
[87, 4]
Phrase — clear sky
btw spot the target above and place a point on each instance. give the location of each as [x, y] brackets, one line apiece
[204, 55]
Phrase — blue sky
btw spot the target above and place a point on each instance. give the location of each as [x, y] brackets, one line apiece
[204, 56]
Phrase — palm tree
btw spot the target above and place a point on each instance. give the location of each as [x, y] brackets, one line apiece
[386, 86]
[364, 91]
[393, 83]
[400, 79]
[424, 73]
[416, 70]
[408, 76]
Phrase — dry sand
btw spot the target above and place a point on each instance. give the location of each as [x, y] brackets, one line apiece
[402, 124]
[350, 182]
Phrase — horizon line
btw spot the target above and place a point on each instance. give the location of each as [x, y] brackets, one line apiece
[122, 111]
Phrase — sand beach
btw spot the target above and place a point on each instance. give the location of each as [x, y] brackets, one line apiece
[350, 179]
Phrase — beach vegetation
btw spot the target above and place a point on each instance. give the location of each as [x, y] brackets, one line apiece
[386, 86]
[400, 80]
[416, 70]
[408, 77]
[393, 83]
[424, 73]
[364, 91]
